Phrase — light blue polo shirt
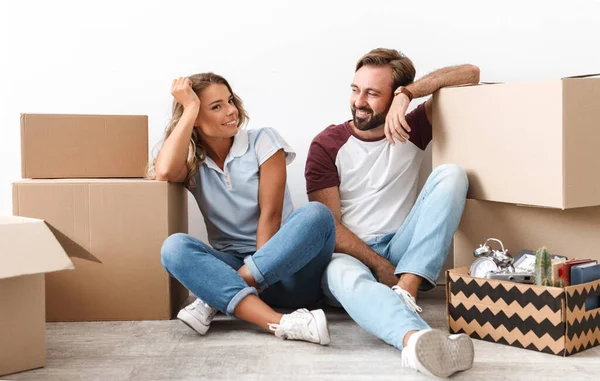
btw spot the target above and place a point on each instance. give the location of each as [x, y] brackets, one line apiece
[228, 198]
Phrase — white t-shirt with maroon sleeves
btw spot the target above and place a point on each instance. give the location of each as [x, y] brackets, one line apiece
[377, 181]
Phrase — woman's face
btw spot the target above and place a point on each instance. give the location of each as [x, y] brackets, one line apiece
[218, 116]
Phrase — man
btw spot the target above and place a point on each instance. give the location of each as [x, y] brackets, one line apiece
[391, 243]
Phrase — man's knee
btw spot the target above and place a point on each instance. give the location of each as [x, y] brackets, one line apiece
[452, 176]
[344, 271]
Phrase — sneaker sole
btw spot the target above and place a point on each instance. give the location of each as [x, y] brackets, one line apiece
[442, 355]
[195, 324]
[323, 329]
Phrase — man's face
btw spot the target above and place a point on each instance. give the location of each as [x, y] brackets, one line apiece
[371, 96]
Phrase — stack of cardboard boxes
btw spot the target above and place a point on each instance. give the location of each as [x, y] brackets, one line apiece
[85, 179]
[531, 152]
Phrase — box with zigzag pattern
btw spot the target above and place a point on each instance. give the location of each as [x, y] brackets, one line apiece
[546, 319]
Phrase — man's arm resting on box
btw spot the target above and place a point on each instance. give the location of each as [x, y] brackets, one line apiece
[395, 121]
[348, 243]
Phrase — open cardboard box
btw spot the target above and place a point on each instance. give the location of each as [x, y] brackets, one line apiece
[28, 249]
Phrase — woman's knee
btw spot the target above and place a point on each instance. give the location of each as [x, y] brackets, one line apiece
[171, 252]
[319, 215]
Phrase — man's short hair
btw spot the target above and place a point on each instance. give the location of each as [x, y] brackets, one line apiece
[403, 71]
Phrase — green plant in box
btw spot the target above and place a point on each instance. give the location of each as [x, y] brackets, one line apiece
[543, 267]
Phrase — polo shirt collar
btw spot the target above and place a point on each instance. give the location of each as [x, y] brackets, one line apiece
[238, 148]
[240, 144]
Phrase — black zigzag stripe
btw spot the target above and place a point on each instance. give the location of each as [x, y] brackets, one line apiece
[529, 296]
[578, 300]
[584, 326]
[510, 323]
[588, 345]
[514, 344]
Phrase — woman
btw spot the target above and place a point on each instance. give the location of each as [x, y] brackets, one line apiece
[263, 253]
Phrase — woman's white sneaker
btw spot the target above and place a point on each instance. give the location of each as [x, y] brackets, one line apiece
[438, 354]
[304, 325]
[197, 316]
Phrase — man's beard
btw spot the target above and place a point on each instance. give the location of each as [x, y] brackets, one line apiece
[373, 120]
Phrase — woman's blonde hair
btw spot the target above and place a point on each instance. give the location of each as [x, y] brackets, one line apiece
[196, 151]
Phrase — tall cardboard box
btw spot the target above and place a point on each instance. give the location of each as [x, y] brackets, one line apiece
[113, 231]
[28, 249]
[83, 146]
[532, 143]
[572, 232]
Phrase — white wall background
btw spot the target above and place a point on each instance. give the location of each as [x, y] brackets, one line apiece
[290, 61]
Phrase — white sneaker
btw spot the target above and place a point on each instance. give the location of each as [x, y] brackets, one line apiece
[304, 325]
[197, 316]
[410, 301]
[438, 354]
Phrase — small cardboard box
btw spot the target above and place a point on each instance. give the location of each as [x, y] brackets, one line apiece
[532, 143]
[571, 232]
[83, 146]
[546, 319]
[113, 231]
[28, 249]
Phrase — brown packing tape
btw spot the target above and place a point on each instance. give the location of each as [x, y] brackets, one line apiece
[514, 308]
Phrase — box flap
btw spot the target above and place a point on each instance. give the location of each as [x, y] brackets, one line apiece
[27, 246]
[582, 76]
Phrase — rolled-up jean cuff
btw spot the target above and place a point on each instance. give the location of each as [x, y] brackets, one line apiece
[425, 286]
[238, 298]
[256, 274]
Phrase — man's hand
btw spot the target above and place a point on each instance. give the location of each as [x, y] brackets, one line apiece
[395, 121]
[384, 271]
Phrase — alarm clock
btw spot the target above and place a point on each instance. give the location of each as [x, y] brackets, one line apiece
[489, 260]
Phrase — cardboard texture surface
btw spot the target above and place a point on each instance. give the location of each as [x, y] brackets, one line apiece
[27, 251]
[83, 146]
[532, 143]
[546, 319]
[572, 232]
[113, 231]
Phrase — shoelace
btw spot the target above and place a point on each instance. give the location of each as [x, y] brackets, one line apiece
[209, 310]
[411, 303]
[296, 321]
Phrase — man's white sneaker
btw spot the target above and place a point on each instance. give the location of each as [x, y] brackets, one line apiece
[304, 325]
[197, 316]
[410, 301]
[438, 354]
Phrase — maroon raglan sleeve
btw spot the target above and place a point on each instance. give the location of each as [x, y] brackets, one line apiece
[420, 127]
[320, 171]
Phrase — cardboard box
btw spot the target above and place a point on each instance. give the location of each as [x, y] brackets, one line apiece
[27, 251]
[546, 319]
[113, 231]
[532, 143]
[83, 146]
[572, 232]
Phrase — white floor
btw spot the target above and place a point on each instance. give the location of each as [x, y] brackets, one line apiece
[234, 350]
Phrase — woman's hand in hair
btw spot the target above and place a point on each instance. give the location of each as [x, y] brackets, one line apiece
[181, 89]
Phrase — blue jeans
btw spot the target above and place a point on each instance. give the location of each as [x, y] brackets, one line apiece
[288, 268]
[420, 247]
